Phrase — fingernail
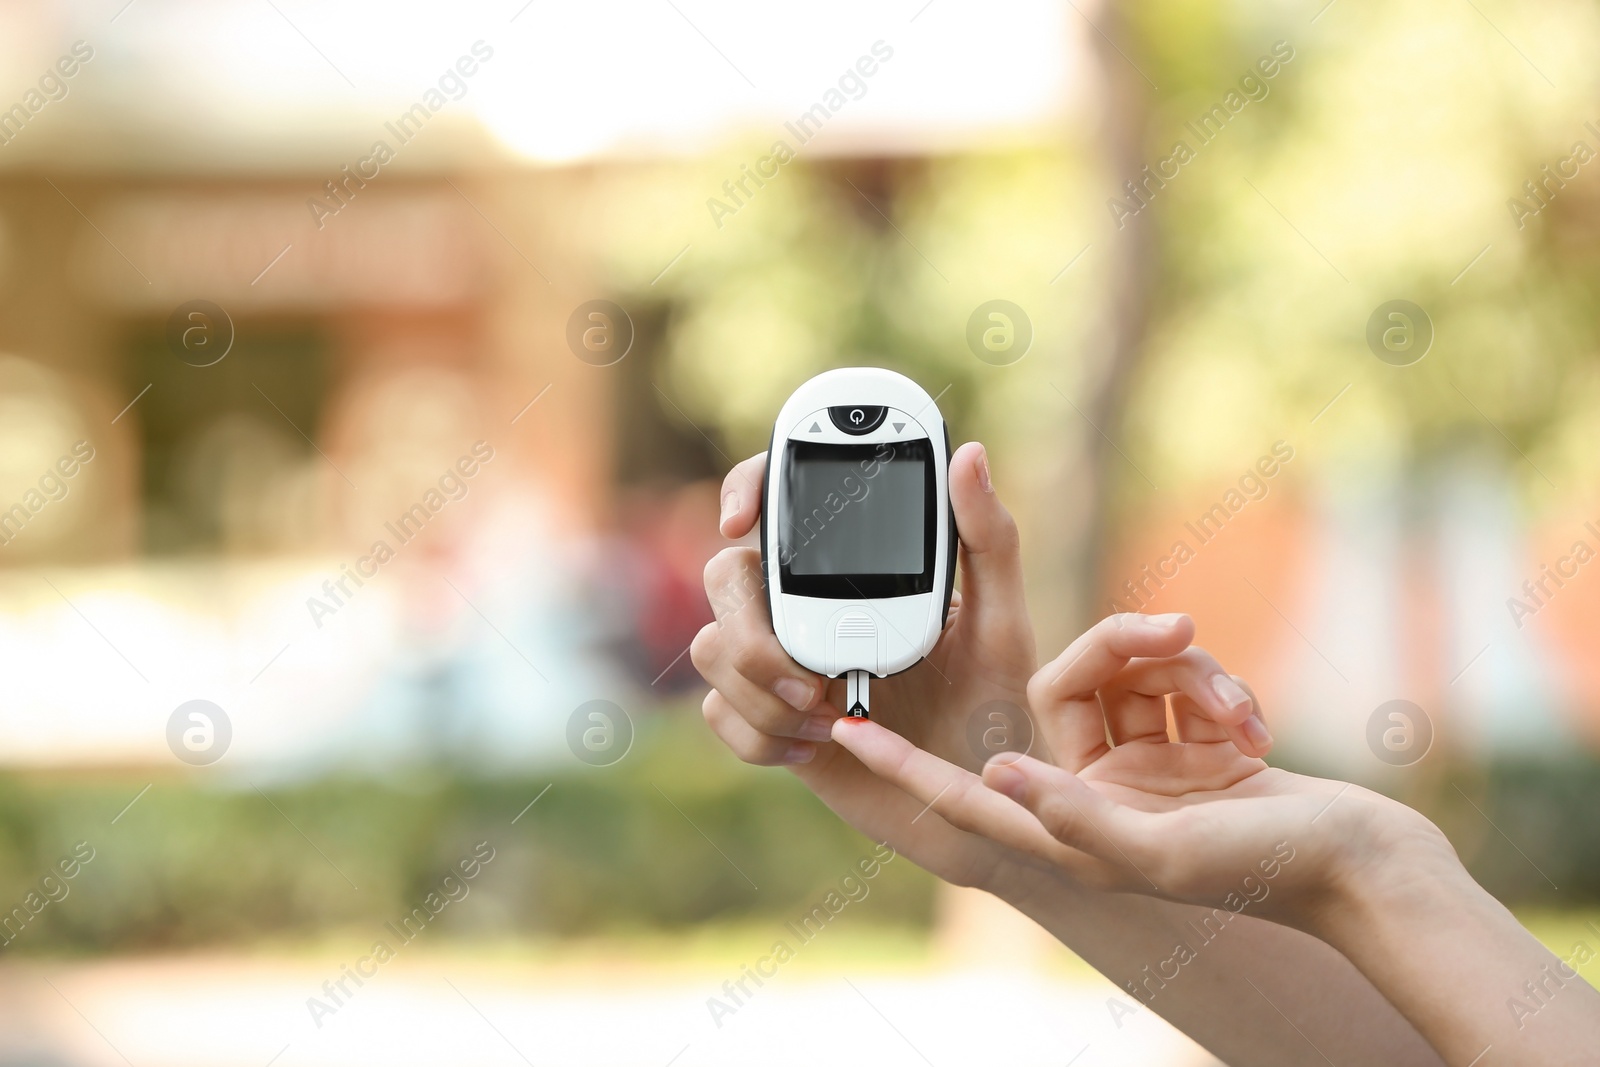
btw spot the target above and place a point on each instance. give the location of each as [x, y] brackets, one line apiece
[730, 505]
[1256, 731]
[799, 753]
[1166, 621]
[1004, 778]
[794, 693]
[983, 472]
[1229, 691]
[817, 728]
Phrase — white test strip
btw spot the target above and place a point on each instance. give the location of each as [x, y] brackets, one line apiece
[856, 703]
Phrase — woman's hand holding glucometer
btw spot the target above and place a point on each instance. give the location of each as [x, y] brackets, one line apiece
[770, 710]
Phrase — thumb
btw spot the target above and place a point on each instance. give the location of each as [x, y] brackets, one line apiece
[741, 497]
[992, 597]
[1076, 815]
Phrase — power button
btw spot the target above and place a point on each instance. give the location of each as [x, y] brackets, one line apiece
[857, 419]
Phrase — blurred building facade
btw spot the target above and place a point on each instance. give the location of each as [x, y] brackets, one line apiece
[279, 339]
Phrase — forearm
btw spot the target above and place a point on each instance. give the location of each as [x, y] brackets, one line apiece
[1456, 963]
[1251, 991]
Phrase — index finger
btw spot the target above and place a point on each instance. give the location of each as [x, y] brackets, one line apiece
[741, 496]
[1063, 693]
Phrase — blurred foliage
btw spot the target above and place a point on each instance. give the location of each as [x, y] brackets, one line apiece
[617, 849]
[842, 262]
[1377, 168]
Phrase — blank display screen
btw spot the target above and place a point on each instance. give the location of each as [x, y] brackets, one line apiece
[858, 520]
[877, 528]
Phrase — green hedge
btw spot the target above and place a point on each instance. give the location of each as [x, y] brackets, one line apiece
[1527, 829]
[205, 858]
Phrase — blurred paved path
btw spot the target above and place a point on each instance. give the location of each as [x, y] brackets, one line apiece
[252, 1012]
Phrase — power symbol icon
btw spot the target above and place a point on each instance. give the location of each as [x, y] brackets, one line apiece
[858, 419]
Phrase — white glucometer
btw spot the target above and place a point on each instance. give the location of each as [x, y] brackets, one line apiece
[858, 539]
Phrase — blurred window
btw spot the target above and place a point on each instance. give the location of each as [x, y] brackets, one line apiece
[655, 441]
[227, 464]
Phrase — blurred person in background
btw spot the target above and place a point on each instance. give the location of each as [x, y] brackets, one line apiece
[648, 586]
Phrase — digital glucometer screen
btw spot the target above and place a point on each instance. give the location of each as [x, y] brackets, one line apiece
[858, 520]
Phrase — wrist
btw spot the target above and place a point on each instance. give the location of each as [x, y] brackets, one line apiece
[1384, 859]
[1448, 955]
